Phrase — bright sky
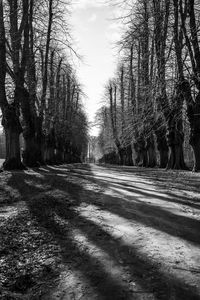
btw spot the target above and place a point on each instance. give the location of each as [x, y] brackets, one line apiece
[95, 33]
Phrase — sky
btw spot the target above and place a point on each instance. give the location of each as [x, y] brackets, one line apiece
[95, 33]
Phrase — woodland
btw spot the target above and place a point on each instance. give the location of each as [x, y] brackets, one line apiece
[151, 112]
[151, 105]
[40, 94]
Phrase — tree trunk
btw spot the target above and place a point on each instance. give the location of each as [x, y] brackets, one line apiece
[12, 129]
[60, 156]
[13, 158]
[30, 153]
[163, 151]
[49, 147]
[129, 160]
[175, 139]
[121, 158]
[151, 153]
[192, 43]
[142, 160]
[151, 157]
[160, 132]
[10, 120]
[196, 151]
[193, 116]
[31, 146]
[134, 153]
[33, 152]
[51, 155]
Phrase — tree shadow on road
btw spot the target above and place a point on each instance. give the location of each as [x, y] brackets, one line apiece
[184, 180]
[53, 198]
[160, 192]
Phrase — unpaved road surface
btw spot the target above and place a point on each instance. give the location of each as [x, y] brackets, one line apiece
[100, 232]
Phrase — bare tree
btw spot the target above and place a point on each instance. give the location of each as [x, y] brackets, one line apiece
[10, 111]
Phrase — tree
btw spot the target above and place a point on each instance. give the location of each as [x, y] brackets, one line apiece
[46, 103]
[10, 111]
[153, 97]
[189, 83]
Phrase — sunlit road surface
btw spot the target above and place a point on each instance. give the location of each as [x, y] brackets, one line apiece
[135, 234]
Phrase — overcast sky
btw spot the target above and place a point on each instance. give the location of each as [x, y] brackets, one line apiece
[95, 33]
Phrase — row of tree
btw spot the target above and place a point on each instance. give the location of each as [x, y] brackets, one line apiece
[40, 95]
[153, 101]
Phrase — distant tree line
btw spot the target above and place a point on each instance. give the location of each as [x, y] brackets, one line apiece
[40, 95]
[152, 104]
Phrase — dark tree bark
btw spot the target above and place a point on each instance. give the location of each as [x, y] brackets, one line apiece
[193, 112]
[46, 60]
[146, 105]
[160, 132]
[12, 129]
[40, 138]
[23, 61]
[122, 98]
[114, 128]
[141, 159]
[192, 44]
[151, 151]
[32, 148]
[10, 119]
[172, 113]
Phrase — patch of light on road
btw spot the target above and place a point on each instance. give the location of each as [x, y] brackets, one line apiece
[39, 186]
[34, 173]
[8, 212]
[158, 246]
[59, 168]
[110, 265]
[61, 174]
[44, 170]
[69, 284]
[138, 194]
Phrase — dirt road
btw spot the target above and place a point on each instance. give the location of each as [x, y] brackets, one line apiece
[100, 232]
